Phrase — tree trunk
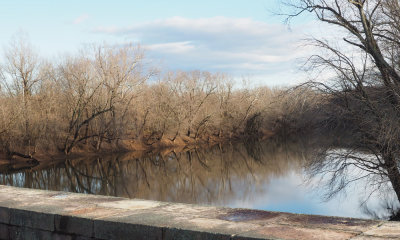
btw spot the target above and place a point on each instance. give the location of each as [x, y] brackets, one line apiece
[393, 173]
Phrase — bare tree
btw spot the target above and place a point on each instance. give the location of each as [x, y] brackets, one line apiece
[98, 87]
[365, 92]
[21, 77]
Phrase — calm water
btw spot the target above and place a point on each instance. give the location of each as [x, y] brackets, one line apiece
[262, 175]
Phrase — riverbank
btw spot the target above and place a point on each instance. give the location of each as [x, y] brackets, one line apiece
[139, 147]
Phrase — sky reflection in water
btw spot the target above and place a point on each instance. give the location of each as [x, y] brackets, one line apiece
[267, 175]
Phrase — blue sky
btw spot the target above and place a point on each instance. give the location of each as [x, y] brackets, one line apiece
[241, 38]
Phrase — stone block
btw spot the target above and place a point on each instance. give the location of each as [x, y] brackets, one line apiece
[35, 220]
[5, 215]
[74, 225]
[124, 231]
[4, 231]
[182, 234]
[17, 232]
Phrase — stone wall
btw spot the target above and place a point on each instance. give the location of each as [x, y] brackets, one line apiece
[37, 214]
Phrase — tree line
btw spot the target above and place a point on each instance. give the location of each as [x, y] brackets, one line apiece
[109, 98]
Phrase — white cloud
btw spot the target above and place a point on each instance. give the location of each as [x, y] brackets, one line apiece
[81, 19]
[174, 47]
[239, 46]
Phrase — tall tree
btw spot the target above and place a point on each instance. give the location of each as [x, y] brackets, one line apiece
[21, 74]
[365, 91]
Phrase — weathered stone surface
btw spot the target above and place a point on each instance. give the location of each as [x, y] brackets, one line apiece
[335, 223]
[36, 214]
[363, 237]
[385, 230]
[182, 223]
[290, 232]
[194, 210]
[131, 204]
[92, 212]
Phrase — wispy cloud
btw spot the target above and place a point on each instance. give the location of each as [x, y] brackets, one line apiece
[80, 19]
[240, 46]
[174, 47]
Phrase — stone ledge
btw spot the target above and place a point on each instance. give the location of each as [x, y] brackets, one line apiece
[38, 214]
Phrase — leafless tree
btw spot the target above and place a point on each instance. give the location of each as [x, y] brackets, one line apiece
[365, 92]
[100, 99]
[98, 87]
[21, 75]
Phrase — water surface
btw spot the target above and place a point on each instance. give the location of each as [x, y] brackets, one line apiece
[267, 175]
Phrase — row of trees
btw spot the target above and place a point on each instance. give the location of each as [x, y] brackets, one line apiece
[105, 95]
[60, 105]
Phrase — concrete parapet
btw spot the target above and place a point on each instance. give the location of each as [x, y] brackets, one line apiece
[38, 214]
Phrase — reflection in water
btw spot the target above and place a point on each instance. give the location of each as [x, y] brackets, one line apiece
[264, 175]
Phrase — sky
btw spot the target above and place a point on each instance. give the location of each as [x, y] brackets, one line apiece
[241, 38]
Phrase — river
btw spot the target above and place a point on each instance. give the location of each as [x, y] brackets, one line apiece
[268, 175]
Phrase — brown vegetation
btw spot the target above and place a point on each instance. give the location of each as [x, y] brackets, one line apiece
[107, 99]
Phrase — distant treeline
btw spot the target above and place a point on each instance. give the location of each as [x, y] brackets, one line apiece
[108, 98]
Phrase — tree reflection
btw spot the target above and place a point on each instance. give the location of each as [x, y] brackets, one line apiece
[216, 175]
[222, 175]
[338, 168]
[388, 209]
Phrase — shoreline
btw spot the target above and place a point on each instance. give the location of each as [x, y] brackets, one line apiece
[140, 147]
